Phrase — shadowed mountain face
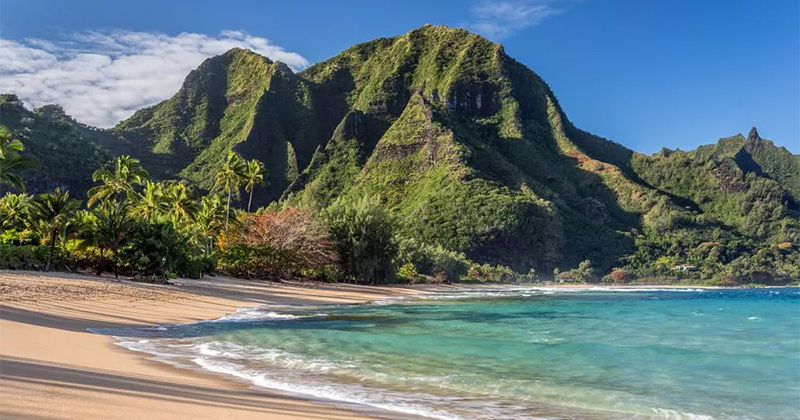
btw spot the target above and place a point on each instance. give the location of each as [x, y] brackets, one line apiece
[469, 148]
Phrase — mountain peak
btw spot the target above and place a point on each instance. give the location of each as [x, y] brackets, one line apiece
[753, 134]
[238, 51]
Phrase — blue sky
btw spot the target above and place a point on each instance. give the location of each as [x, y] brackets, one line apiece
[646, 74]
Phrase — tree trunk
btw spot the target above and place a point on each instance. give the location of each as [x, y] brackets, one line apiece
[116, 265]
[52, 250]
[227, 216]
[250, 200]
[100, 264]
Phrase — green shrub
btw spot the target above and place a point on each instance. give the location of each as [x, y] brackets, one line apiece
[24, 257]
[434, 259]
[584, 273]
[196, 265]
[487, 273]
[364, 234]
[19, 237]
[259, 261]
[156, 250]
[408, 272]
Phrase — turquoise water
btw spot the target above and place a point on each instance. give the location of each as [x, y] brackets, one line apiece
[526, 354]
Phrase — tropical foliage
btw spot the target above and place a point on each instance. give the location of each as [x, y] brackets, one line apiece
[430, 155]
[11, 161]
[53, 213]
[288, 242]
[363, 231]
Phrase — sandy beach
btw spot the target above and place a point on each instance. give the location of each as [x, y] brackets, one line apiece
[51, 367]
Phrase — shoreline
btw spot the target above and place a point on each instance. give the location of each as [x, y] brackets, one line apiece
[53, 367]
[47, 348]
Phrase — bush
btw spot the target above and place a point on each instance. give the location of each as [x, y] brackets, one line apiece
[584, 273]
[196, 265]
[25, 257]
[408, 272]
[253, 261]
[618, 276]
[156, 250]
[19, 237]
[434, 260]
[364, 235]
[487, 273]
[277, 243]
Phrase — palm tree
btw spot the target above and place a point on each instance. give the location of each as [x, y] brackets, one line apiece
[150, 204]
[229, 178]
[209, 219]
[112, 227]
[254, 175]
[8, 145]
[14, 210]
[11, 161]
[179, 202]
[54, 211]
[121, 178]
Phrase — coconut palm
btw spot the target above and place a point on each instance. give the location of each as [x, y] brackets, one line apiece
[112, 227]
[150, 204]
[117, 180]
[11, 161]
[229, 178]
[14, 210]
[9, 146]
[254, 175]
[53, 211]
[179, 202]
[209, 219]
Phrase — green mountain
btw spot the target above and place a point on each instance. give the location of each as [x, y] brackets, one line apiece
[237, 100]
[471, 150]
[66, 157]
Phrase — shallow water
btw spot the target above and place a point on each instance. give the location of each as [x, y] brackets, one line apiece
[525, 354]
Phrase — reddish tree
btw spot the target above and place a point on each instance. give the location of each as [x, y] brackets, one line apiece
[620, 276]
[282, 242]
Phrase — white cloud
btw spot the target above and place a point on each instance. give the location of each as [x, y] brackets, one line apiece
[500, 19]
[102, 77]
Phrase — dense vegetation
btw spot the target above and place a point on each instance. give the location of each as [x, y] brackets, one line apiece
[428, 155]
[154, 230]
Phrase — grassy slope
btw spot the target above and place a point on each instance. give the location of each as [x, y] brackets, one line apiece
[470, 150]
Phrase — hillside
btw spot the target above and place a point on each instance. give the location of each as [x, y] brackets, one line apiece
[469, 149]
[237, 100]
[67, 151]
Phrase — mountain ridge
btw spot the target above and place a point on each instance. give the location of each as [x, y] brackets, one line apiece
[470, 150]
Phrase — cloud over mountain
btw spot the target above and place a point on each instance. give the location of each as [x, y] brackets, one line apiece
[102, 77]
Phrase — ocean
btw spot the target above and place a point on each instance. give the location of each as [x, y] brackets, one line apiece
[527, 353]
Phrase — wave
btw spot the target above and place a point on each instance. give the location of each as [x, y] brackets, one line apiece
[666, 414]
[301, 376]
[333, 392]
[544, 290]
[258, 314]
[208, 356]
[344, 380]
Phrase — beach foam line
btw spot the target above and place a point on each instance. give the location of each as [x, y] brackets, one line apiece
[544, 290]
[337, 394]
[297, 376]
[333, 393]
